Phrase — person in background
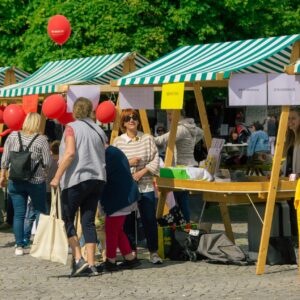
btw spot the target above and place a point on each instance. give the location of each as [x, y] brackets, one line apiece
[187, 135]
[35, 188]
[142, 154]
[258, 143]
[160, 130]
[54, 149]
[292, 163]
[119, 199]
[81, 175]
[272, 132]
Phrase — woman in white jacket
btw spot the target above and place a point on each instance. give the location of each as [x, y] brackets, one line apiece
[187, 136]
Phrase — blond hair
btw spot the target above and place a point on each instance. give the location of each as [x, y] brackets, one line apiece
[82, 108]
[292, 138]
[32, 123]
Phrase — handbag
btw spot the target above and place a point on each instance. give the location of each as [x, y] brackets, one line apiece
[50, 241]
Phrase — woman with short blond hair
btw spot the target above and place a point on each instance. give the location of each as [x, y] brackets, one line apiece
[35, 186]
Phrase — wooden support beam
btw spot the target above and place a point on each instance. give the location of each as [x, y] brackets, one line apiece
[295, 55]
[264, 242]
[226, 220]
[10, 77]
[202, 114]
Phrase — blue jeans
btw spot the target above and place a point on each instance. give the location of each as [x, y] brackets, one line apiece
[19, 192]
[29, 220]
[182, 199]
[147, 209]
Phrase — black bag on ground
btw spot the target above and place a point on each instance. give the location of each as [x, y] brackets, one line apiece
[217, 248]
[20, 162]
[174, 216]
[281, 250]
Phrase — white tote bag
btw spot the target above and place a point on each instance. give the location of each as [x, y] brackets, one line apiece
[50, 241]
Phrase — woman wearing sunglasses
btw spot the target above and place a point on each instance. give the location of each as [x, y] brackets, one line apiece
[143, 158]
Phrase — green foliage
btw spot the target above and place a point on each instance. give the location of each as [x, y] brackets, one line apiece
[151, 27]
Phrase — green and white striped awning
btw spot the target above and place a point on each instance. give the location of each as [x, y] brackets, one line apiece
[19, 74]
[204, 62]
[89, 70]
[297, 67]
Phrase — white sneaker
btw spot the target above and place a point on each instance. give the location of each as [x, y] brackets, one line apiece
[155, 259]
[19, 251]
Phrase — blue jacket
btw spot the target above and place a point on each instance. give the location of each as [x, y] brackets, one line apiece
[258, 142]
[120, 189]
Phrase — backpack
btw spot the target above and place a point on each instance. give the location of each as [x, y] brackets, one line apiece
[20, 162]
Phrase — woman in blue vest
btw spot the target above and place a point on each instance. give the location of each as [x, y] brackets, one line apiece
[119, 199]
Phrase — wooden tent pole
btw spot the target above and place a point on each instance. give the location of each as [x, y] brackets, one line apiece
[116, 124]
[202, 114]
[207, 139]
[168, 159]
[268, 218]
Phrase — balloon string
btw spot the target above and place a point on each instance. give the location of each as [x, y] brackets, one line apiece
[62, 53]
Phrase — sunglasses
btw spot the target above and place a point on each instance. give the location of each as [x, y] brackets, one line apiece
[133, 117]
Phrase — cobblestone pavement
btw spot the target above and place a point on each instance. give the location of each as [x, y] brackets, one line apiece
[28, 278]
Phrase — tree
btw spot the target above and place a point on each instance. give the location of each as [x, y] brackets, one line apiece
[153, 28]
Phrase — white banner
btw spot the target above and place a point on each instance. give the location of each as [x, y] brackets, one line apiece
[136, 97]
[91, 92]
[283, 89]
[247, 89]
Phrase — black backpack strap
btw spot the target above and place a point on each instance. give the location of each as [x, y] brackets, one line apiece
[31, 142]
[94, 130]
[20, 141]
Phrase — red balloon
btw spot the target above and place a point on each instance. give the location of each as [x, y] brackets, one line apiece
[66, 118]
[106, 112]
[54, 106]
[2, 107]
[59, 29]
[14, 116]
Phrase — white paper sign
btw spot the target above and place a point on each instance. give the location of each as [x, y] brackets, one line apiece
[283, 89]
[136, 97]
[247, 89]
[91, 92]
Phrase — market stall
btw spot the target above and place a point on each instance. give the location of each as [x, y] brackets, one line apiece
[211, 65]
[58, 76]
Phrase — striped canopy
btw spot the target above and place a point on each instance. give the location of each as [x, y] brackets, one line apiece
[297, 67]
[204, 62]
[89, 70]
[19, 74]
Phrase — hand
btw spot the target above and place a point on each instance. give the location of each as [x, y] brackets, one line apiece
[2, 181]
[54, 182]
[139, 174]
[134, 161]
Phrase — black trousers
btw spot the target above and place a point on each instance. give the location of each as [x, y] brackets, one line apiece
[85, 196]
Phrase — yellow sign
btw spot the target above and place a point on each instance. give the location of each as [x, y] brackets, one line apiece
[172, 95]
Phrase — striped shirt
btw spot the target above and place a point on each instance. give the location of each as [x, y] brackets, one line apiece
[142, 146]
[40, 151]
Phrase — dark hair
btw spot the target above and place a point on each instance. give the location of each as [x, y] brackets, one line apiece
[54, 147]
[258, 126]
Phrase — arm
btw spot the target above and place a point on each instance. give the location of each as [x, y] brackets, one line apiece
[46, 156]
[251, 144]
[163, 139]
[152, 166]
[5, 161]
[66, 160]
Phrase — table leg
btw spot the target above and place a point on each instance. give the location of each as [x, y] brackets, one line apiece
[226, 220]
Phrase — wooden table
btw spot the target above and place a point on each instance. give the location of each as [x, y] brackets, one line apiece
[226, 193]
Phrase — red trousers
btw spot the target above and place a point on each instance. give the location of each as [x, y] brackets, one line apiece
[115, 237]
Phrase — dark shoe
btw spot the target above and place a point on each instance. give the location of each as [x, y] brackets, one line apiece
[91, 271]
[129, 264]
[79, 267]
[110, 267]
